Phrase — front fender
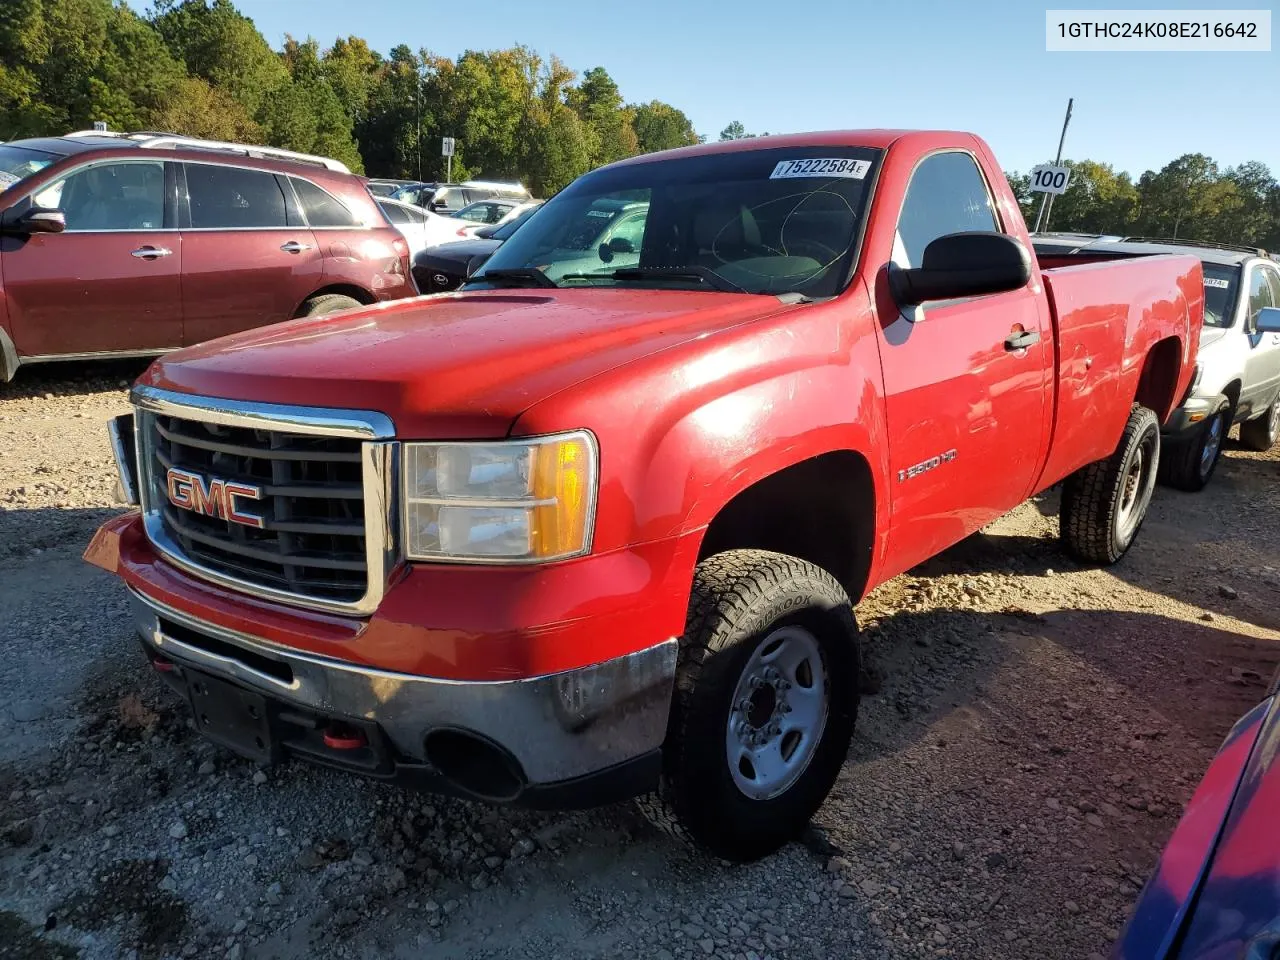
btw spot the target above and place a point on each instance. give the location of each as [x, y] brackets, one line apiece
[683, 431]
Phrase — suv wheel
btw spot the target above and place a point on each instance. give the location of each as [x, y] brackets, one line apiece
[328, 303]
[1261, 434]
[1188, 463]
[1104, 504]
[765, 701]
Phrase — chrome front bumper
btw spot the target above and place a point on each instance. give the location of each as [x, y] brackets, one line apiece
[558, 728]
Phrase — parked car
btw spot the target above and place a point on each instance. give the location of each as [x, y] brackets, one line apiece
[444, 267]
[487, 212]
[1216, 890]
[412, 222]
[1237, 376]
[385, 188]
[575, 535]
[446, 198]
[134, 244]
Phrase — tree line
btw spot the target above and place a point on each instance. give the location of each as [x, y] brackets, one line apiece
[201, 68]
[1190, 198]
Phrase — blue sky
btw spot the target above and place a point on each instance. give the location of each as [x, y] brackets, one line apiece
[825, 64]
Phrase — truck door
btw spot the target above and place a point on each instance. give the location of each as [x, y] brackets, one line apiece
[1262, 363]
[966, 381]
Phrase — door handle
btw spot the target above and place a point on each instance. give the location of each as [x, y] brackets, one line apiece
[1021, 339]
[151, 253]
[293, 246]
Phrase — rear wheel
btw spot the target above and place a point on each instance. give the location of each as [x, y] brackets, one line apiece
[1261, 434]
[765, 701]
[1104, 504]
[1188, 464]
[328, 303]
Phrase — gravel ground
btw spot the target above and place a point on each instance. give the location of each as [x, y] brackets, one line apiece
[1034, 731]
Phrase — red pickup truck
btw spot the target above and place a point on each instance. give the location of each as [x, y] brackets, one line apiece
[594, 527]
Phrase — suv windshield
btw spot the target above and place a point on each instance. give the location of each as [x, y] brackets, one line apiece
[18, 163]
[1220, 285]
[760, 221]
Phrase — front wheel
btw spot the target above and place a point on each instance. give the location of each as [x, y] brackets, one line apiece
[1104, 503]
[1188, 464]
[765, 700]
[1261, 434]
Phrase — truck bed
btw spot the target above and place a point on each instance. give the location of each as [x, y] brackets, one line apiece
[1109, 311]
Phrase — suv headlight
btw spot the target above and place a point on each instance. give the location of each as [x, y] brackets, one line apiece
[504, 501]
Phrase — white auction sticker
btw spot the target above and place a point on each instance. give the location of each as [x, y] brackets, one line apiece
[1217, 283]
[818, 167]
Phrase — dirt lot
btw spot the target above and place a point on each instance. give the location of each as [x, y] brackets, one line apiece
[1036, 731]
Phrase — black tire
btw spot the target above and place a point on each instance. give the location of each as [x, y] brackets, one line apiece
[1188, 463]
[1261, 434]
[1104, 504]
[739, 599]
[328, 303]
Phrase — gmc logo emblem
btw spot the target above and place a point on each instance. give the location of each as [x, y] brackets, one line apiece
[216, 498]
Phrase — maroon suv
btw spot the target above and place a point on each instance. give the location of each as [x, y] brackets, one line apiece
[134, 244]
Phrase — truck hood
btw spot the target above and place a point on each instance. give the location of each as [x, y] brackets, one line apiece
[452, 366]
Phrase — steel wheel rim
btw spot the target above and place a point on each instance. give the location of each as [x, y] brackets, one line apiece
[1273, 425]
[1138, 480]
[778, 713]
[1212, 444]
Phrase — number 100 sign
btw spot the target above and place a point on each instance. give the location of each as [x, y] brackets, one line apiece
[1047, 178]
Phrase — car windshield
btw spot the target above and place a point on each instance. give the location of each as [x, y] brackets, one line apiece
[761, 221]
[1220, 285]
[18, 163]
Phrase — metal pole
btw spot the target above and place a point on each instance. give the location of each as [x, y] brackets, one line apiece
[417, 83]
[448, 173]
[1047, 201]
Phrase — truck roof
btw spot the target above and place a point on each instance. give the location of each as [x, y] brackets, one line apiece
[876, 138]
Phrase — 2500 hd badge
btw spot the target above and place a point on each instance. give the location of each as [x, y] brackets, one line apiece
[926, 465]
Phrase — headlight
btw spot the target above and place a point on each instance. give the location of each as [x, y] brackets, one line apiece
[512, 500]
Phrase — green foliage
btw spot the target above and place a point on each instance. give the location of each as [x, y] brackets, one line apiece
[660, 126]
[1189, 198]
[202, 68]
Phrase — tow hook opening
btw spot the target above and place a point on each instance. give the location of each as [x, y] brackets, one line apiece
[475, 764]
[161, 665]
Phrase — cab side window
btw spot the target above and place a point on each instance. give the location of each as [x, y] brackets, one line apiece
[1260, 295]
[126, 195]
[947, 194]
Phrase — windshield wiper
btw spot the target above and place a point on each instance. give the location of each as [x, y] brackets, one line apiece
[700, 274]
[516, 277]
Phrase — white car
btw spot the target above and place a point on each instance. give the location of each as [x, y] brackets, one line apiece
[422, 228]
[1237, 377]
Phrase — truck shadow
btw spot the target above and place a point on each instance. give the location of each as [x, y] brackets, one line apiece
[1198, 677]
[1213, 550]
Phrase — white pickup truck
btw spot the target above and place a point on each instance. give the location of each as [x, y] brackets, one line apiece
[1237, 378]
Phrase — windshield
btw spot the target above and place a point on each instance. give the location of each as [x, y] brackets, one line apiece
[18, 163]
[760, 221]
[1220, 285]
[417, 195]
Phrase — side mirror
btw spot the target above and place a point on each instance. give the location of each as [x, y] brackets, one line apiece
[616, 245]
[475, 263]
[1268, 320]
[962, 265]
[39, 220]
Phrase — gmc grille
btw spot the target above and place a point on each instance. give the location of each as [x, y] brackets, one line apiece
[312, 544]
